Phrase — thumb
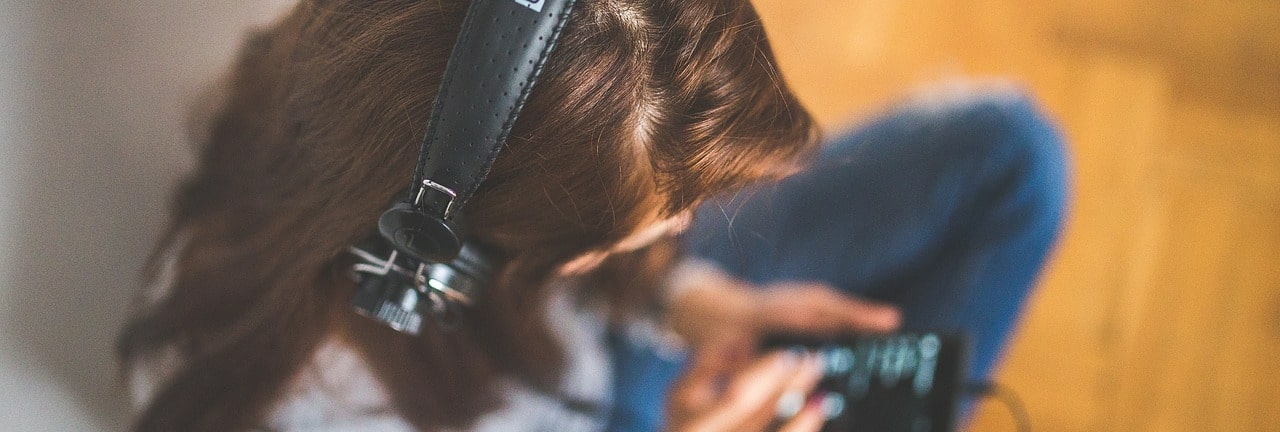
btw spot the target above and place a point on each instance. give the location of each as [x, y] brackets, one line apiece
[868, 315]
[817, 307]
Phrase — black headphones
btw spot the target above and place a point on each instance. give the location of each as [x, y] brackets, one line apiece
[423, 251]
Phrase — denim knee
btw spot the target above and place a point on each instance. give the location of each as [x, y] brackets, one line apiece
[1018, 191]
[1019, 148]
[1038, 159]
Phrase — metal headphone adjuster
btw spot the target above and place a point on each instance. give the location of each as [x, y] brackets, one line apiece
[427, 183]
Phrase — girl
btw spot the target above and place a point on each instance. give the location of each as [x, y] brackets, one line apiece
[645, 109]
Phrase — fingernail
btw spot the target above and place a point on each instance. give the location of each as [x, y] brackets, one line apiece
[819, 363]
[831, 405]
[790, 404]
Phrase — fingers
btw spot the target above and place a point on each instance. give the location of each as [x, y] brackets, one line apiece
[810, 419]
[752, 396]
[799, 386]
[864, 314]
[751, 390]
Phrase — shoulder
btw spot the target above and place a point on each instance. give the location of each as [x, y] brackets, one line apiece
[336, 391]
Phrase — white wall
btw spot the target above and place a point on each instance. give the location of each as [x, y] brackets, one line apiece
[93, 95]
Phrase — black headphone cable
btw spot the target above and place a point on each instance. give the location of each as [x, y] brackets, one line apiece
[1006, 395]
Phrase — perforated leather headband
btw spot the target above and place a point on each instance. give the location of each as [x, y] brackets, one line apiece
[494, 64]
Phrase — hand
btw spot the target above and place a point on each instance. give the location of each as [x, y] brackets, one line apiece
[720, 392]
[715, 306]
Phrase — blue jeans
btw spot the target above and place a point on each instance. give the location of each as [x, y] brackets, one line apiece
[947, 212]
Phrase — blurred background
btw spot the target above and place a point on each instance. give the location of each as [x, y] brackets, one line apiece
[1160, 310]
[93, 100]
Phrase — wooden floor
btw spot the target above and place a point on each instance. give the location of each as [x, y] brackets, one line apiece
[1160, 310]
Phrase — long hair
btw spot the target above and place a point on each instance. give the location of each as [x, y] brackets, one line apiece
[645, 109]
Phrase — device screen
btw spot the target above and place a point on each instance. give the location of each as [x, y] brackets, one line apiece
[907, 382]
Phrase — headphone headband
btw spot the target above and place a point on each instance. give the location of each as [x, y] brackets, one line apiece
[429, 264]
[495, 62]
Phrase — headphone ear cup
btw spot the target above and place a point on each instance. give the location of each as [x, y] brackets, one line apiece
[423, 236]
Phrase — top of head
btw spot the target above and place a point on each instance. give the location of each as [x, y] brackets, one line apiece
[493, 66]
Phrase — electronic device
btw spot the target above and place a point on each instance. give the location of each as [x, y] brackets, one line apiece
[422, 261]
[906, 382]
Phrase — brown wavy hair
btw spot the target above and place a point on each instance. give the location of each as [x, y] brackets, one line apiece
[646, 108]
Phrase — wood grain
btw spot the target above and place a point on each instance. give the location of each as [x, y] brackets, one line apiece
[1160, 309]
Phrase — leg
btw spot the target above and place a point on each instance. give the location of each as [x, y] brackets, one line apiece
[947, 211]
